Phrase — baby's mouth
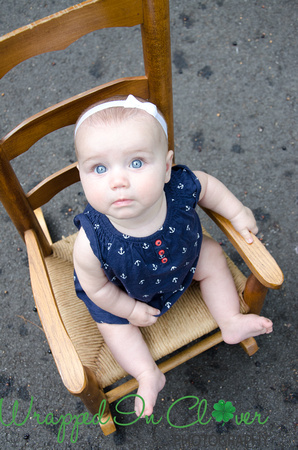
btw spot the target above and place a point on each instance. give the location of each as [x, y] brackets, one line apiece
[122, 202]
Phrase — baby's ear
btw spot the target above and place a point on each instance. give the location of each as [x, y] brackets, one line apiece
[169, 162]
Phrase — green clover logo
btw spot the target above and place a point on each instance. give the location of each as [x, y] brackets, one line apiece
[223, 411]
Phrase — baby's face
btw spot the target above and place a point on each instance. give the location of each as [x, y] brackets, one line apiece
[123, 167]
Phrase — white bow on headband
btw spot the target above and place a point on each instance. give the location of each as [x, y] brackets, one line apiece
[129, 102]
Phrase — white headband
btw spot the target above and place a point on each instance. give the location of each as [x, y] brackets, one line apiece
[129, 102]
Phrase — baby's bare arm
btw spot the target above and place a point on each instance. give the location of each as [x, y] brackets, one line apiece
[102, 292]
[217, 197]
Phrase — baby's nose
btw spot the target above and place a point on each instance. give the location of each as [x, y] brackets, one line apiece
[119, 179]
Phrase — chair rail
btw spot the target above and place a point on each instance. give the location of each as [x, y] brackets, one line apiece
[52, 185]
[66, 113]
[58, 31]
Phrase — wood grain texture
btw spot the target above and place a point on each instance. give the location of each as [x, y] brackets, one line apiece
[156, 40]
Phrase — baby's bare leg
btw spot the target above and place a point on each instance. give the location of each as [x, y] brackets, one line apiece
[131, 352]
[221, 297]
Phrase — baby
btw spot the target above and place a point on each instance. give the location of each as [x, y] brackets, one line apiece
[140, 242]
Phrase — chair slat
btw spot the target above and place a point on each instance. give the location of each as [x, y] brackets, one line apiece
[58, 31]
[65, 113]
[49, 187]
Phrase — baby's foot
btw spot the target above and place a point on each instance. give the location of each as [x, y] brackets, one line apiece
[243, 326]
[150, 383]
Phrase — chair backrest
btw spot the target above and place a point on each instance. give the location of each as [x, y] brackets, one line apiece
[56, 32]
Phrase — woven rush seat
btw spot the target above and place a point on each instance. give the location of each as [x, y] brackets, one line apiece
[186, 321]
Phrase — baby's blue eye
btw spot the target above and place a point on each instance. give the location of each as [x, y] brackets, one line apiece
[136, 164]
[100, 169]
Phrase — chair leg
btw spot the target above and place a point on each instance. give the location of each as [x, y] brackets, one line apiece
[254, 294]
[250, 346]
[95, 400]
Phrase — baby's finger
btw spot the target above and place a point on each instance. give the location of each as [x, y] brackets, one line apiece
[247, 236]
[154, 311]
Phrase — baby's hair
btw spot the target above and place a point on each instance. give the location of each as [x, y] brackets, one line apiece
[116, 115]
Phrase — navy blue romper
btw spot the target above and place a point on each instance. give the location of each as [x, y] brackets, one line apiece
[155, 269]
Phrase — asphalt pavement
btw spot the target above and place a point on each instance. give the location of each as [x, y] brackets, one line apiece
[235, 91]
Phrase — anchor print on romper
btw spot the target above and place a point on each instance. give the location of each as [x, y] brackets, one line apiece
[145, 246]
[196, 243]
[137, 263]
[121, 251]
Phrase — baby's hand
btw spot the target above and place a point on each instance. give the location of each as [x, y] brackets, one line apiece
[143, 315]
[244, 222]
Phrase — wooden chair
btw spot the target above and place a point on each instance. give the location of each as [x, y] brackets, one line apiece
[82, 358]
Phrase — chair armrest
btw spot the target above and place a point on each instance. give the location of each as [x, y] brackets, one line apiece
[66, 358]
[255, 255]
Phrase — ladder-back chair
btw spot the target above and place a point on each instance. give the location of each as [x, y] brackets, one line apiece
[82, 358]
